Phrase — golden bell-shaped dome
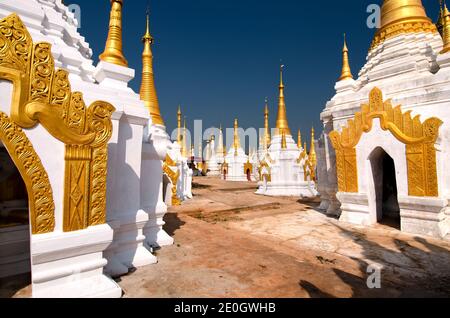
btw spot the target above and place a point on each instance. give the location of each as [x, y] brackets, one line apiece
[402, 16]
[401, 11]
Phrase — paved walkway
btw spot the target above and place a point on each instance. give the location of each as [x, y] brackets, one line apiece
[233, 243]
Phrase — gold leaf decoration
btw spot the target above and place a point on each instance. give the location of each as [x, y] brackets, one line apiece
[418, 137]
[42, 95]
[40, 195]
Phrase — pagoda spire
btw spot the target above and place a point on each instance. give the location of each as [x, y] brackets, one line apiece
[346, 70]
[148, 89]
[299, 139]
[237, 142]
[179, 125]
[267, 140]
[446, 30]
[220, 147]
[282, 122]
[113, 49]
[312, 150]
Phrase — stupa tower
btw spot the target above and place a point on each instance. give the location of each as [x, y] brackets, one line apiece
[148, 89]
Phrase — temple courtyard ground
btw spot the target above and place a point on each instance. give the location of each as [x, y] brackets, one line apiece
[230, 242]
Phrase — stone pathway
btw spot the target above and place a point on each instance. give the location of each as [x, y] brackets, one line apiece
[233, 243]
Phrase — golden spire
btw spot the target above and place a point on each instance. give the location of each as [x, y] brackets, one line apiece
[282, 122]
[220, 147]
[113, 48]
[446, 30]
[299, 139]
[179, 125]
[312, 150]
[283, 140]
[148, 90]
[237, 142]
[402, 16]
[346, 70]
[184, 147]
[267, 140]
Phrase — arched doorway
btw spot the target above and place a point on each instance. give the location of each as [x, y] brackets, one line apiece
[15, 264]
[385, 184]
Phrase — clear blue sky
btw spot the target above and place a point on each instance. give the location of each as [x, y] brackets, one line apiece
[220, 59]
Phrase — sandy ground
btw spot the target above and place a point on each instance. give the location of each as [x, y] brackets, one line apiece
[230, 242]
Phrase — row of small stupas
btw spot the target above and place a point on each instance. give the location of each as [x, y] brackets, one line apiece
[384, 153]
[283, 167]
[98, 179]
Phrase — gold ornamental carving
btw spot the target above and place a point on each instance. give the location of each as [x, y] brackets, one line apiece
[42, 95]
[419, 138]
[170, 169]
[40, 195]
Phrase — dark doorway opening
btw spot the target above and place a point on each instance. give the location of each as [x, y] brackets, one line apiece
[384, 174]
[15, 263]
[249, 175]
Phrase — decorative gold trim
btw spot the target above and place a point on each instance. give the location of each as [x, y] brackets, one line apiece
[248, 166]
[43, 95]
[418, 137]
[406, 27]
[260, 168]
[168, 168]
[40, 195]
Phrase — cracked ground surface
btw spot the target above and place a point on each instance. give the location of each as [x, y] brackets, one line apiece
[230, 242]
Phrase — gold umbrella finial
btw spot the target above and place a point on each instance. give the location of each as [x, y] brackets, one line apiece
[113, 49]
[346, 70]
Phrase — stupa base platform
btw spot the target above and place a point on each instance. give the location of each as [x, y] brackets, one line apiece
[297, 189]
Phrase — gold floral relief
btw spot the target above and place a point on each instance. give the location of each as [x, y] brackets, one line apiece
[170, 169]
[268, 175]
[43, 95]
[419, 138]
[40, 195]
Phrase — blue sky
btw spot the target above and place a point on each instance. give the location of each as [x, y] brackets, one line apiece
[220, 59]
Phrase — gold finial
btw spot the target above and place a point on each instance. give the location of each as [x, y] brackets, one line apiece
[312, 150]
[237, 142]
[113, 49]
[148, 89]
[446, 30]
[267, 140]
[283, 140]
[220, 147]
[305, 148]
[299, 139]
[179, 125]
[346, 70]
[282, 122]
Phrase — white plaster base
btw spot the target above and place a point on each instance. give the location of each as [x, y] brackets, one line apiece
[154, 233]
[424, 216]
[355, 208]
[129, 248]
[66, 265]
[288, 189]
